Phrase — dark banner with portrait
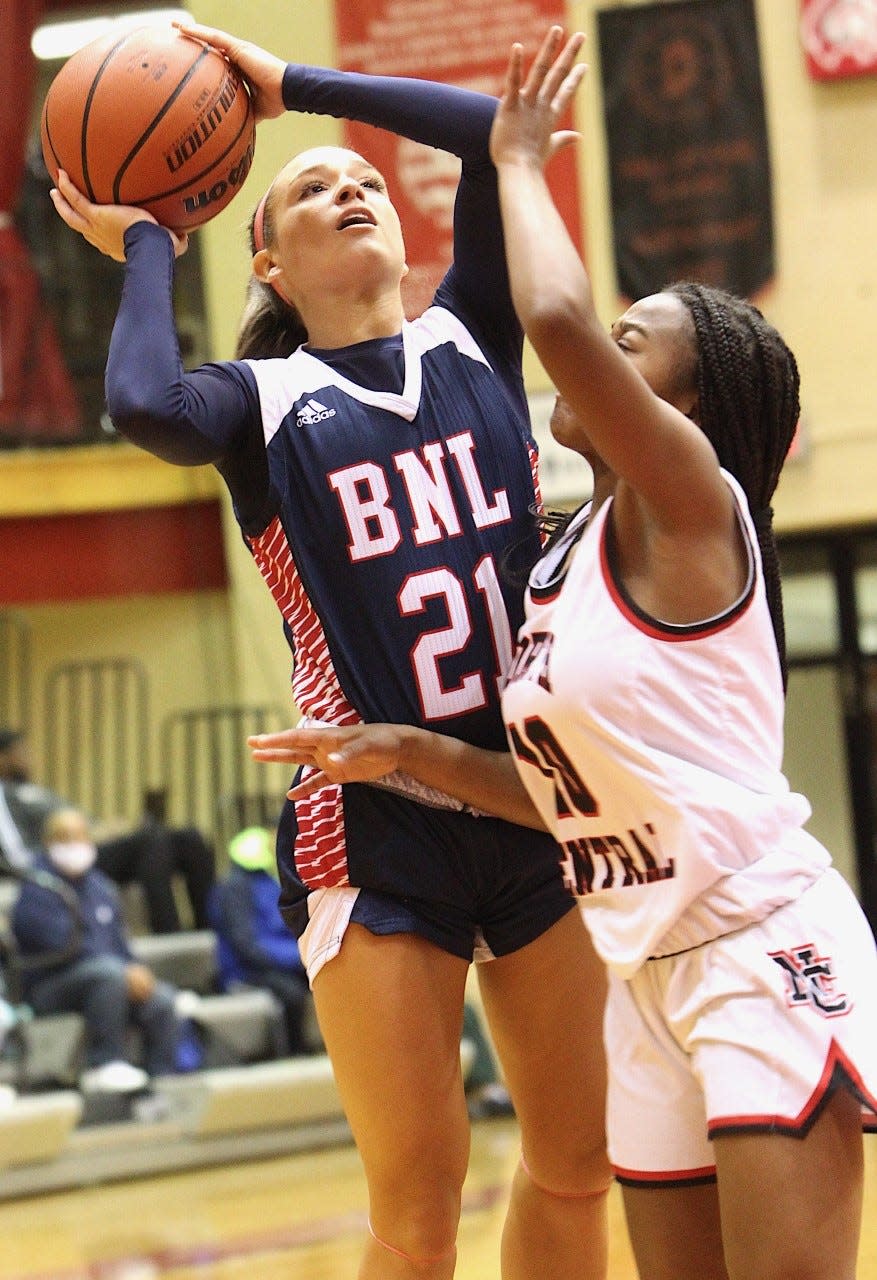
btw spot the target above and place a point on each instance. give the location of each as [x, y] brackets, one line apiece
[689, 165]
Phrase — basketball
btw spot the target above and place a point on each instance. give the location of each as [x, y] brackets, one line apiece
[151, 118]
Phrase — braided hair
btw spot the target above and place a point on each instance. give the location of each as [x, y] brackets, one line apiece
[748, 387]
[269, 326]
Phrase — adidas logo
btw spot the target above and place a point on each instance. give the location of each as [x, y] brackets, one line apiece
[312, 412]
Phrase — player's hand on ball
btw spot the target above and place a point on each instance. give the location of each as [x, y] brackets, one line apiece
[262, 71]
[103, 225]
[356, 753]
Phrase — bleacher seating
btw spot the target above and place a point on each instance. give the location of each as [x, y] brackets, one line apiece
[245, 1093]
[36, 1130]
[188, 959]
[246, 1101]
[52, 1052]
[235, 1027]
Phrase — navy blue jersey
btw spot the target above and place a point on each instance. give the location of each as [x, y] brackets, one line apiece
[396, 508]
[377, 486]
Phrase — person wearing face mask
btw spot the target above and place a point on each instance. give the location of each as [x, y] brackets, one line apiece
[82, 924]
[149, 853]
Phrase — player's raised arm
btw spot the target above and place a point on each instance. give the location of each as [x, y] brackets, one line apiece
[643, 436]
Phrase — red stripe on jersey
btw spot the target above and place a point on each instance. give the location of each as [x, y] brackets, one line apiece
[836, 1062]
[315, 686]
[320, 847]
[537, 490]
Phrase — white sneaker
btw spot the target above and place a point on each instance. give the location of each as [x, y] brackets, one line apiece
[113, 1077]
[187, 1004]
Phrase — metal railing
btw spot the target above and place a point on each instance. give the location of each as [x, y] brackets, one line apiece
[96, 741]
[209, 779]
[15, 670]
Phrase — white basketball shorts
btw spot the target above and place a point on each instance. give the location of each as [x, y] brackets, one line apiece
[748, 1033]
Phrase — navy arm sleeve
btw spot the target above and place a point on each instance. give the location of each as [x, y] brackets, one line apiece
[185, 418]
[440, 115]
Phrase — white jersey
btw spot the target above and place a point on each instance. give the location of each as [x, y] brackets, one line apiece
[654, 753]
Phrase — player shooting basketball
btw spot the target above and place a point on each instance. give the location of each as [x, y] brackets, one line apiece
[379, 470]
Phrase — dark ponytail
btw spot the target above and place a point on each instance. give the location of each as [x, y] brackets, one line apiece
[269, 326]
[748, 396]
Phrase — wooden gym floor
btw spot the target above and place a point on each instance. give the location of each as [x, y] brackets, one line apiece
[299, 1217]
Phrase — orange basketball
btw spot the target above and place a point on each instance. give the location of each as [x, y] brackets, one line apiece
[151, 118]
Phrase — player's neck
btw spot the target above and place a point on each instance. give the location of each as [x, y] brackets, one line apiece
[344, 322]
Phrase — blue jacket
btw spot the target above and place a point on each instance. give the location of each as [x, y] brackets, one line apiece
[253, 937]
[43, 921]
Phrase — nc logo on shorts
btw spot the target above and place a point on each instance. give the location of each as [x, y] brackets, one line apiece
[811, 980]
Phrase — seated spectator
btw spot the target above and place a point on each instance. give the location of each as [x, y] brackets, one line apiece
[73, 940]
[150, 854]
[255, 946]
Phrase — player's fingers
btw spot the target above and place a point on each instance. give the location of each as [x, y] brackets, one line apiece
[562, 138]
[220, 40]
[514, 72]
[71, 216]
[568, 89]
[293, 746]
[562, 66]
[63, 206]
[282, 737]
[308, 786]
[282, 755]
[72, 194]
[262, 71]
[293, 739]
[543, 62]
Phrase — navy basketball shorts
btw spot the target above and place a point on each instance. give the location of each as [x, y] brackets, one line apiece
[477, 887]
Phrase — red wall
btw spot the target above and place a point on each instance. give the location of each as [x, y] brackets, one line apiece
[112, 553]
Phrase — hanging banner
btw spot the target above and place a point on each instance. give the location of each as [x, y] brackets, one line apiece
[461, 42]
[839, 37]
[687, 143]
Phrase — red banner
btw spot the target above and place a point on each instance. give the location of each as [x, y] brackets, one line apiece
[839, 37]
[462, 42]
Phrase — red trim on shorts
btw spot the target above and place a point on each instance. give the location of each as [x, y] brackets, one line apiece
[837, 1072]
[664, 1177]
